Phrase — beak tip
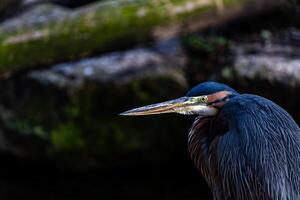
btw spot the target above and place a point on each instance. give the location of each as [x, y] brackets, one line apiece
[123, 114]
[126, 113]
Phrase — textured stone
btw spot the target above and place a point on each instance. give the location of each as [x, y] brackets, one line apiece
[37, 37]
[74, 118]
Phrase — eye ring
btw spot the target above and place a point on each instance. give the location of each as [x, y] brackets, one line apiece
[203, 99]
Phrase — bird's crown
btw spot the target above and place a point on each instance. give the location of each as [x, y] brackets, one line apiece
[209, 87]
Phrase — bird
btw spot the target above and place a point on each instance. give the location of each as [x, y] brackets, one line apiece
[246, 146]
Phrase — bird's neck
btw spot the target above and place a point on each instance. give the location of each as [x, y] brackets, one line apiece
[202, 135]
[198, 139]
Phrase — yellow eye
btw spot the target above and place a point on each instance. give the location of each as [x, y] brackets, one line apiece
[203, 99]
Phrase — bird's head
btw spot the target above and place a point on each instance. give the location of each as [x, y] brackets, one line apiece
[205, 99]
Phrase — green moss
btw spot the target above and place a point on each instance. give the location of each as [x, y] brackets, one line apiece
[67, 138]
[24, 126]
[83, 127]
[206, 45]
[110, 26]
[94, 128]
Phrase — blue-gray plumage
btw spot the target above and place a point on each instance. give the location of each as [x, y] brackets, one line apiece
[247, 147]
[249, 150]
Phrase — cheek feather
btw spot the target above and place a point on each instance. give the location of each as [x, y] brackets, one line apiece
[219, 104]
[217, 96]
[198, 110]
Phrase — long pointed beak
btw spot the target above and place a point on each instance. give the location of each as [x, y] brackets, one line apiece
[183, 105]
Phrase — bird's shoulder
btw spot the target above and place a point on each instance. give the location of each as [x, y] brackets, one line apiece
[263, 139]
[254, 106]
[249, 102]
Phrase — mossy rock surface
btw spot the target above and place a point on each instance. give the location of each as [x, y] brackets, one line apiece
[88, 127]
[94, 129]
[106, 26]
[74, 120]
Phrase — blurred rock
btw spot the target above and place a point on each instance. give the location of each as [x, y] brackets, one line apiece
[271, 62]
[47, 34]
[273, 58]
[13, 8]
[116, 68]
[74, 118]
[37, 16]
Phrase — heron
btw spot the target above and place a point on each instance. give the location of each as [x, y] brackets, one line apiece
[246, 146]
